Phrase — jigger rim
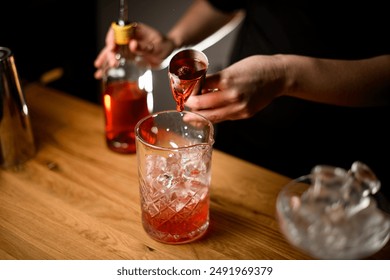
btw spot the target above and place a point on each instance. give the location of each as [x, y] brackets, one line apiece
[194, 53]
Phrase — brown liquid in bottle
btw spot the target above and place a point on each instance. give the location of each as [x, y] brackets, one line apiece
[126, 86]
[125, 104]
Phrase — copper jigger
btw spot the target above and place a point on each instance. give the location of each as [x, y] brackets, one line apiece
[187, 70]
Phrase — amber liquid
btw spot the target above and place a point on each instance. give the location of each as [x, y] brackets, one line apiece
[186, 78]
[124, 105]
[179, 220]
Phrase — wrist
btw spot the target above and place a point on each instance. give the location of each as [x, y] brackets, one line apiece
[288, 72]
[174, 42]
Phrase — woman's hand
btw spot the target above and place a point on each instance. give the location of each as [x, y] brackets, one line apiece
[240, 90]
[146, 41]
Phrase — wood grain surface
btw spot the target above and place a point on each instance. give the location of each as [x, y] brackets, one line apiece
[76, 199]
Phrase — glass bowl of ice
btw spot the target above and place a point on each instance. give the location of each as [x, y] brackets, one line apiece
[331, 213]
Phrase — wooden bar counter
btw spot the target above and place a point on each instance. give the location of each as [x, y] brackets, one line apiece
[76, 199]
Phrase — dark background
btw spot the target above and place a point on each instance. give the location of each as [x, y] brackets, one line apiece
[48, 34]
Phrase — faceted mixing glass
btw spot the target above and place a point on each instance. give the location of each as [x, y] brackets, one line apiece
[174, 151]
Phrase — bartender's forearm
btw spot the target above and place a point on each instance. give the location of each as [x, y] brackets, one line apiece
[198, 22]
[356, 83]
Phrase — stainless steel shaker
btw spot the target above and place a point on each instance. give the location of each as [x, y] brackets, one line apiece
[16, 136]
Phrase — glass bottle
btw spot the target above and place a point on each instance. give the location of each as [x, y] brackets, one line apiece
[127, 88]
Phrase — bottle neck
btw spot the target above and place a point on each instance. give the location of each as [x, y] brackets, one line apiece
[122, 35]
[123, 51]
